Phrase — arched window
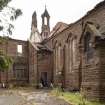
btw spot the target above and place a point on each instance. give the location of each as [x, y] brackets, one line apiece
[88, 46]
[74, 51]
[56, 60]
[70, 56]
[59, 56]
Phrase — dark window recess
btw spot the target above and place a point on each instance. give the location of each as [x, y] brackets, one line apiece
[88, 49]
[19, 72]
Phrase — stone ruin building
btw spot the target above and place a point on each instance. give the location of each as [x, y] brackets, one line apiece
[70, 54]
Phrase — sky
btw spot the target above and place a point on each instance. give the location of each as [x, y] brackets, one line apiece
[67, 11]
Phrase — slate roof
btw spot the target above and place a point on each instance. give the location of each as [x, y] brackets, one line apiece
[40, 47]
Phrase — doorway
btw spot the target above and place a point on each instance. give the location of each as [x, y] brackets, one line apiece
[44, 79]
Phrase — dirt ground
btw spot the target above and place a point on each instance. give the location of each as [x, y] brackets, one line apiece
[28, 96]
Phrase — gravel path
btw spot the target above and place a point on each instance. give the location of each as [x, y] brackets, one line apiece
[34, 97]
[12, 97]
[10, 100]
[43, 98]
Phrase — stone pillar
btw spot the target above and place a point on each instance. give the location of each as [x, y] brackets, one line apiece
[101, 47]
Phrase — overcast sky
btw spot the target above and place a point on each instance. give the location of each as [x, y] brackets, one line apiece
[67, 11]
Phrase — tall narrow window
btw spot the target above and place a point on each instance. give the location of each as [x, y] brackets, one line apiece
[56, 59]
[70, 56]
[74, 51]
[19, 50]
[59, 56]
[88, 46]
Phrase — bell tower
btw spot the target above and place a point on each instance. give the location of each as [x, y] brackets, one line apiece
[45, 24]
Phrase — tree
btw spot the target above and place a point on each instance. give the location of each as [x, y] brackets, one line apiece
[3, 3]
[7, 15]
[5, 62]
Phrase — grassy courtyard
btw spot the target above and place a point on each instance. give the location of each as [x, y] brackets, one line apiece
[73, 98]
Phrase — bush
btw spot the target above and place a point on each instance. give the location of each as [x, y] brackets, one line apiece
[5, 62]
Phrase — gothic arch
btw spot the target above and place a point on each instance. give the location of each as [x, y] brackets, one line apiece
[92, 28]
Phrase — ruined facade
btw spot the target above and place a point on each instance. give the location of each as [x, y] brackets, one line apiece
[71, 55]
[18, 51]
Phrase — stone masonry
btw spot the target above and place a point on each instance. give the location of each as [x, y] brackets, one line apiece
[71, 55]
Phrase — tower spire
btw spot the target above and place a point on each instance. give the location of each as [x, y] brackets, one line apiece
[34, 19]
[35, 35]
[45, 24]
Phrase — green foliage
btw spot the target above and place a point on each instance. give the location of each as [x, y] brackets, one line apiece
[18, 12]
[3, 3]
[5, 61]
[73, 98]
[1, 41]
[7, 15]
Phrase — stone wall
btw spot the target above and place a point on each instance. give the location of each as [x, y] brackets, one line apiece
[92, 67]
[90, 73]
[33, 67]
[9, 47]
[102, 69]
[45, 65]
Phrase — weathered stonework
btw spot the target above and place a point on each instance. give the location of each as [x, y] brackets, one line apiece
[65, 57]
[20, 62]
[33, 59]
